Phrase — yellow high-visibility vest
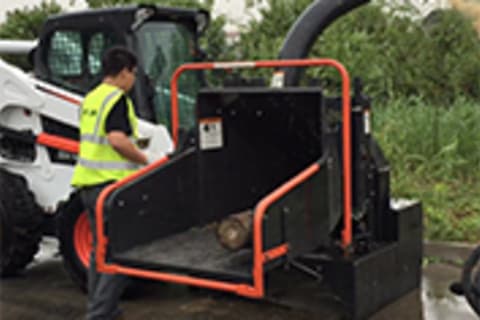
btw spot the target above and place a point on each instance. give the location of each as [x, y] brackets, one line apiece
[98, 162]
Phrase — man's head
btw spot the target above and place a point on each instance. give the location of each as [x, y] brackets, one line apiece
[119, 66]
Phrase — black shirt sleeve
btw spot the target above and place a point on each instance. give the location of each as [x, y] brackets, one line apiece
[117, 119]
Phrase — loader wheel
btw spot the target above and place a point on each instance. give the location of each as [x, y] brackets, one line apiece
[20, 224]
[471, 280]
[73, 230]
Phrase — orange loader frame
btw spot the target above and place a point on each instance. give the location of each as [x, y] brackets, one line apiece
[260, 257]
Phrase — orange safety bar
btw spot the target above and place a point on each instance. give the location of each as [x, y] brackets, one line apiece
[260, 257]
[58, 142]
[346, 115]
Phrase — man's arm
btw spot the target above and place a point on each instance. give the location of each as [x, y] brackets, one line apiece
[125, 147]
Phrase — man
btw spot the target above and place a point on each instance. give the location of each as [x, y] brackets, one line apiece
[107, 127]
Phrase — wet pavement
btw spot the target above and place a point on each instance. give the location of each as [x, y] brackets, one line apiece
[45, 292]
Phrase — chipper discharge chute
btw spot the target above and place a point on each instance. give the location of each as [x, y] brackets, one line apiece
[302, 167]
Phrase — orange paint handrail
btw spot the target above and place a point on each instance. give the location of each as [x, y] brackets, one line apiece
[260, 211]
[260, 257]
[346, 115]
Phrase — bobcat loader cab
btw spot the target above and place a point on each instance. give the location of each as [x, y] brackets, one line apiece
[71, 46]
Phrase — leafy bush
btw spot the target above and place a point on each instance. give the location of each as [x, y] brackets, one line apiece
[434, 154]
[397, 55]
[26, 24]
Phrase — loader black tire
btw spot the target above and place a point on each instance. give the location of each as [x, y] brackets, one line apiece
[21, 222]
[73, 234]
[75, 237]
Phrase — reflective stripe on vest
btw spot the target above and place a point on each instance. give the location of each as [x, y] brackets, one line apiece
[102, 109]
[101, 140]
[102, 165]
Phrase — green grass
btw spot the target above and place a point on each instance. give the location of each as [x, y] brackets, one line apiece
[434, 152]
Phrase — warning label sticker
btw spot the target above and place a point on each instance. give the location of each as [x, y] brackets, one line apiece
[211, 136]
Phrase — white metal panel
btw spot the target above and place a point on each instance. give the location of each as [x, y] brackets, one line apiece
[17, 46]
[21, 108]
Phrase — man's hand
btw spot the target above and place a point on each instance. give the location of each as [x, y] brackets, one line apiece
[120, 142]
[152, 156]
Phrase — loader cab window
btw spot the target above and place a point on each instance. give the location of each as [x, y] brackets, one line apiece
[164, 46]
[66, 54]
[74, 58]
[97, 45]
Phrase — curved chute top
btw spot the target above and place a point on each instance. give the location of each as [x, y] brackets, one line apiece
[306, 29]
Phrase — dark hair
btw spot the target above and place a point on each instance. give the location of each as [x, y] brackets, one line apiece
[116, 59]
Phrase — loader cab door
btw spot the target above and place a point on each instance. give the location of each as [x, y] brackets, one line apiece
[163, 47]
[73, 61]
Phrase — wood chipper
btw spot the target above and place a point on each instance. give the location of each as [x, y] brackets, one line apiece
[308, 168]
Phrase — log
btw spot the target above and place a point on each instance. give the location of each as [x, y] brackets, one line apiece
[235, 231]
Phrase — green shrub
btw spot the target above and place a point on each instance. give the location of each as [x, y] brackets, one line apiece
[397, 53]
[24, 24]
[434, 152]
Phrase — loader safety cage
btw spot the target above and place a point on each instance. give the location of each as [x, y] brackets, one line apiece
[260, 257]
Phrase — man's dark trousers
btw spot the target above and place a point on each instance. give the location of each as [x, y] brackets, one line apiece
[104, 290]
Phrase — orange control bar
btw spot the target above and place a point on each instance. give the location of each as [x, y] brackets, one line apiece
[260, 257]
[346, 115]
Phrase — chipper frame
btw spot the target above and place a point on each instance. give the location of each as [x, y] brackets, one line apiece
[307, 166]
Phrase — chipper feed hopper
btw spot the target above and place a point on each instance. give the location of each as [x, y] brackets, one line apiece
[307, 168]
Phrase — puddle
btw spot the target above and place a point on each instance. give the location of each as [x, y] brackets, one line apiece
[437, 301]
